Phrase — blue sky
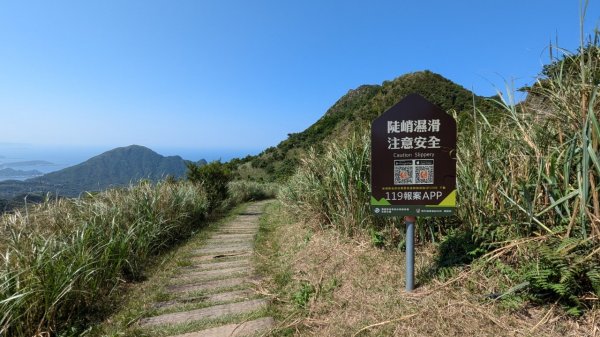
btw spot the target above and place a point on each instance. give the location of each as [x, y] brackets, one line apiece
[238, 76]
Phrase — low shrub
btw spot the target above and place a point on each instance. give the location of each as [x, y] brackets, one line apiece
[214, 177]
[243, 190]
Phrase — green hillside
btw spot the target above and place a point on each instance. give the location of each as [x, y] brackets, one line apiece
[117, 167]
[356, 110]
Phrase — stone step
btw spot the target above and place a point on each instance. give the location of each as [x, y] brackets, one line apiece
[228, 241]
[218, 265]
[208, 286]
[233, 236]
[222, 250]
[210, 274]
[205, 313]
[235, 232]
[235, 330]
[223, 243]
[237, 295]
[219, 257]
[240, 225]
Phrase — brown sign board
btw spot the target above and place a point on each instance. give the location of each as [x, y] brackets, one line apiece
[413, 160]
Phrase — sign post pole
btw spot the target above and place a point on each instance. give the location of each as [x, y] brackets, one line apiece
[410, 252]
[413, 166]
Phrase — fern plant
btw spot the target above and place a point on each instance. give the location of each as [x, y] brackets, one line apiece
[566, 271]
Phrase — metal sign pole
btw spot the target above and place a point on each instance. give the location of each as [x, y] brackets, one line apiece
[410, 252]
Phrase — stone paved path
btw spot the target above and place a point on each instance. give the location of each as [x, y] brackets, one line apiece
[219, 283]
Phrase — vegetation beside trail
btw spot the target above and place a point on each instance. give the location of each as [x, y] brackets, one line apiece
[63, 263]
[521, 256]
[141, 301]
[528, 181]
[325, 283]
[63, 259]
[243, 190]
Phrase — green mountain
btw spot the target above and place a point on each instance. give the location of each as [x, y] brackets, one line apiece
[355, 111]
[116, 167]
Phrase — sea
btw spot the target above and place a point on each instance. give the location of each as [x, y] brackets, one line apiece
[47, 158]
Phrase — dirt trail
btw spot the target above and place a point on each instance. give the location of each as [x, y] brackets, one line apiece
[220, 281]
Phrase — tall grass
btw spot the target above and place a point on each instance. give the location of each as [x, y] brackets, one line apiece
[528, 182]
[333, 188]
[61, 261]
[244, 190]
[538, 161]
[534, 172]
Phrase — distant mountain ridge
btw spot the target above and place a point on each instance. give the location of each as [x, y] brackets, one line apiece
[117, 167]
[9, 173]
[26, 163]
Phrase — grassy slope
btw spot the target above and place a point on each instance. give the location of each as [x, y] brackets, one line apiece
[324, 284]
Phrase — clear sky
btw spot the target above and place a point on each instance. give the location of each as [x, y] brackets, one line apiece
[240, 75]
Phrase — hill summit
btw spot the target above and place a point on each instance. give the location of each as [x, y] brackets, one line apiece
[354, 112]
[116, 167]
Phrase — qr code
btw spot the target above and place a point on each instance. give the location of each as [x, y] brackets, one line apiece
[403, 172]
[423, 171]
[413, 172]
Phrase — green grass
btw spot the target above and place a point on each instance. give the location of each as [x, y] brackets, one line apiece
[63, 260]
[533, 173]
[64, 263]
[331, 189]
[243, 190]
[528, 178]
[273, 263]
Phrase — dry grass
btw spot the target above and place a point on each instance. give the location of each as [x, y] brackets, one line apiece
[358, 290]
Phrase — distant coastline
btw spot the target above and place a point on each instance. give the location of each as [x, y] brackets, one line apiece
[10, 173]
[61, 157]
[25, 164]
